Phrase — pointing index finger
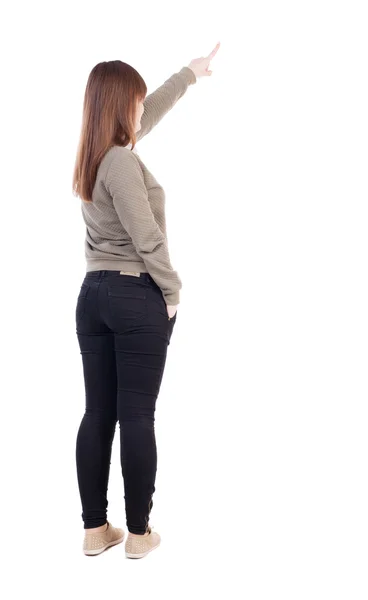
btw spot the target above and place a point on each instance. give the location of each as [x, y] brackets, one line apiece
[212, 54]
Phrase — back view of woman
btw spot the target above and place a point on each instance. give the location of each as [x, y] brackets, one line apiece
[127, 305]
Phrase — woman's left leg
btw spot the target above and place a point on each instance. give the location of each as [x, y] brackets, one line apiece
[97, 428]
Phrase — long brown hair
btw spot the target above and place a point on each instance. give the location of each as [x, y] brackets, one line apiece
[109, 111]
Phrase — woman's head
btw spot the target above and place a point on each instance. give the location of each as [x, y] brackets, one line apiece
[112, 109]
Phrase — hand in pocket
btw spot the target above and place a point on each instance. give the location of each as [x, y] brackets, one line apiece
[171, 309]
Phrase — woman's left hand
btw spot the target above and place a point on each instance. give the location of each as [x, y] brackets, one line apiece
[199, 66]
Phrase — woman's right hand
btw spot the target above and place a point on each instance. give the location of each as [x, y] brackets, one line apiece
[171, 309]
[200, 65]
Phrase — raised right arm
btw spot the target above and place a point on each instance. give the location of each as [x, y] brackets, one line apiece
[158, 103]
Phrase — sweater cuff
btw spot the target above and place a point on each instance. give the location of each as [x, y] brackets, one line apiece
[189, 75]
[173, 298]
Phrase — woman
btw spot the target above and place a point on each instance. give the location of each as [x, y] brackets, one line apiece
[127, 305]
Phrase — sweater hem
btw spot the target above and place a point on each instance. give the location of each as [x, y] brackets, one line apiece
[102, 264]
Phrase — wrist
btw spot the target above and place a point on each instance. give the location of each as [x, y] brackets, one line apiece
[189, 74]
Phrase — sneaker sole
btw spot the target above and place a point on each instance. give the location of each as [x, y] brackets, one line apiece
[134, 555]
[100, 550]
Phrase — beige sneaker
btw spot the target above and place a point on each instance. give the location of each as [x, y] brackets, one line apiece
[138, 546]
[95, 543]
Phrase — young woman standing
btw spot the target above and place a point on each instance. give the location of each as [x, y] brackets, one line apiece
[127, 304]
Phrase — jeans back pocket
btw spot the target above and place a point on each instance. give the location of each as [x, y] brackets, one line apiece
[127, 301]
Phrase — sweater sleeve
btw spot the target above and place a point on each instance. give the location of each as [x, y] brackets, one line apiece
[159, 102]
[125, 184]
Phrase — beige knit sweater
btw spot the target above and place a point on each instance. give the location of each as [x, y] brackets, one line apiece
[125, 222]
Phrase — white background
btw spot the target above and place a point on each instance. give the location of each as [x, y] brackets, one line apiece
[261, 422]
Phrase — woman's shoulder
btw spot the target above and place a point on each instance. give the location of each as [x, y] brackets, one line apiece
[119, 162]
[120, 154]
[119, 150]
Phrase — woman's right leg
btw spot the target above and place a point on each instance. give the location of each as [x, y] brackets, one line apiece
[141, 349]
[140, 359]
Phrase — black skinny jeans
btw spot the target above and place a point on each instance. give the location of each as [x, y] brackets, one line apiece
[123, 331]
